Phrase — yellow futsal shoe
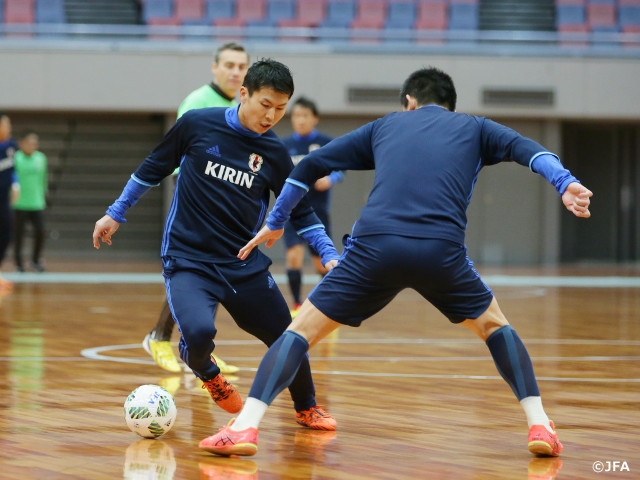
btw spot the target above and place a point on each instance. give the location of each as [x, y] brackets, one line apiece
[162, 353]
[224, 366]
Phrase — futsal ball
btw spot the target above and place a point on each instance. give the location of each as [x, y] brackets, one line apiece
[150, 411]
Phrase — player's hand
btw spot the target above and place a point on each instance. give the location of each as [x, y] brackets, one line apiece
[323, 184]
[104, 229]
[330, 264]
[577, 199]
[264, 235]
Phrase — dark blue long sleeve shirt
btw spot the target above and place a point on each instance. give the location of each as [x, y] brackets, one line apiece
[426, 165]
[223, 189]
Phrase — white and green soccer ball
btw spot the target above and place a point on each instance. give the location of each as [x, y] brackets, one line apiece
[150, 411]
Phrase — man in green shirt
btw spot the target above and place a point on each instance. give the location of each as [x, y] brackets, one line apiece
[229, 68]
[31, 170]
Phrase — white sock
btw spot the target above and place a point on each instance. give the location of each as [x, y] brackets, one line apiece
[251, 414]
[535, 413]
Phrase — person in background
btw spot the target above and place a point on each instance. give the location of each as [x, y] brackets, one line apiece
[9, 191]
[230, 162]
[411, 234]
[229, 68]
[305, 139]
[31, 170]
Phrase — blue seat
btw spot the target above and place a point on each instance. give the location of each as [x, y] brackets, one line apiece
[157, 9]
[215, 9]
[340, 13]
[570, 15]
[50, 11]
[463, 16]
[628, 15]
[401, 14]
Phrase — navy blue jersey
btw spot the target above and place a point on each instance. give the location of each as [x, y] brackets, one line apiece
[7, 149]
[223, 189]
[299, 146]
[427, 161]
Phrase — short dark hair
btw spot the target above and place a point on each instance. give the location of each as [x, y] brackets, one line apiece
[25, 133]
[236, 47]
[430, 85]
[269, 73]
[307, 103]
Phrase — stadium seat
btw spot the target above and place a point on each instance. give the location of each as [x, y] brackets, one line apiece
[628, 15]
[432, 15]
[50, 11]
[340, 13]
[308, 13]
[188, 10]
[215, 9]
[370, 14]
[19, 11]
[601, 16]
[157, 9]
[463, 16]
[251, 10]
[401, 14]
[570, 15]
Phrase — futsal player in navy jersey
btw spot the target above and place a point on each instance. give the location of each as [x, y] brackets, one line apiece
[230, 161]
[306, 138]
[410, 235]
[9, 191]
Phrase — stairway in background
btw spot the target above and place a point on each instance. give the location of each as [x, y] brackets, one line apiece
[91, 157]
[106, 12]
[522, 15]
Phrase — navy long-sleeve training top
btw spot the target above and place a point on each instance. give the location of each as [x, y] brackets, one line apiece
[222, 192]
[426, 165]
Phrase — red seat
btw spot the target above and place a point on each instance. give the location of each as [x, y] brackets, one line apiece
[432, 15]
[601, 15]
[370, 14]
[19, 11]
[249, 10]
[189, 9]
[309, 13]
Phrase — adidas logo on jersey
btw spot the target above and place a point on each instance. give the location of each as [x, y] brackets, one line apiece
[215, 151]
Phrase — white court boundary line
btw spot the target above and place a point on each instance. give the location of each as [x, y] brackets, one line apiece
[96, 353]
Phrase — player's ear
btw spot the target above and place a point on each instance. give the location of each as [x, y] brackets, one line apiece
[412, 103]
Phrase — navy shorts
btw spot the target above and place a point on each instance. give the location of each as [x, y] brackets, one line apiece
[374, 269]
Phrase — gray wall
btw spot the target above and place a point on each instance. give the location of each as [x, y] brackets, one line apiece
[514, 215]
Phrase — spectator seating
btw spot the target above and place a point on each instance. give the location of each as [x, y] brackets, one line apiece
[19, 11]
[308, 13]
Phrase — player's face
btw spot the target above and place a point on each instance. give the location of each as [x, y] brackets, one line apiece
[303, 120]
[29, 144]
[5, 127]
[229, 71]
[262, 110]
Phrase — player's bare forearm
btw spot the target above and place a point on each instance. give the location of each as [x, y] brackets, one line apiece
[576, 199]
[264, 235]
[104, 230]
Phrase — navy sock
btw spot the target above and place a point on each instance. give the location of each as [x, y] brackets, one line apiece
[513, 362]
[295, 283]
[279, 366]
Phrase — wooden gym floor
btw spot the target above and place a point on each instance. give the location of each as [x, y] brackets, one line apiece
[415, 397]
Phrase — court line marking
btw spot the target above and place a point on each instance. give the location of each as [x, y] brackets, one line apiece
[96, 353]
[491, 280]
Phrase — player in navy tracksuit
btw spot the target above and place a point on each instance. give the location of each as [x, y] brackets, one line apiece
[230, 162]
[306, 138]
[8, 181]
[410, 235]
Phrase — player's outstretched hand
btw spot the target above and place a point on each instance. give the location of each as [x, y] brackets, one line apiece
[104, 229]
[577, 199]
[264, 235]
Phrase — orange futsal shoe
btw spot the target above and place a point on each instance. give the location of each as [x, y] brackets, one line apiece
[317, 419]
[543, 442]
[229, 442]
[224, 393]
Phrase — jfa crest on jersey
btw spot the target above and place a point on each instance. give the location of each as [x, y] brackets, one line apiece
[255, 162]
